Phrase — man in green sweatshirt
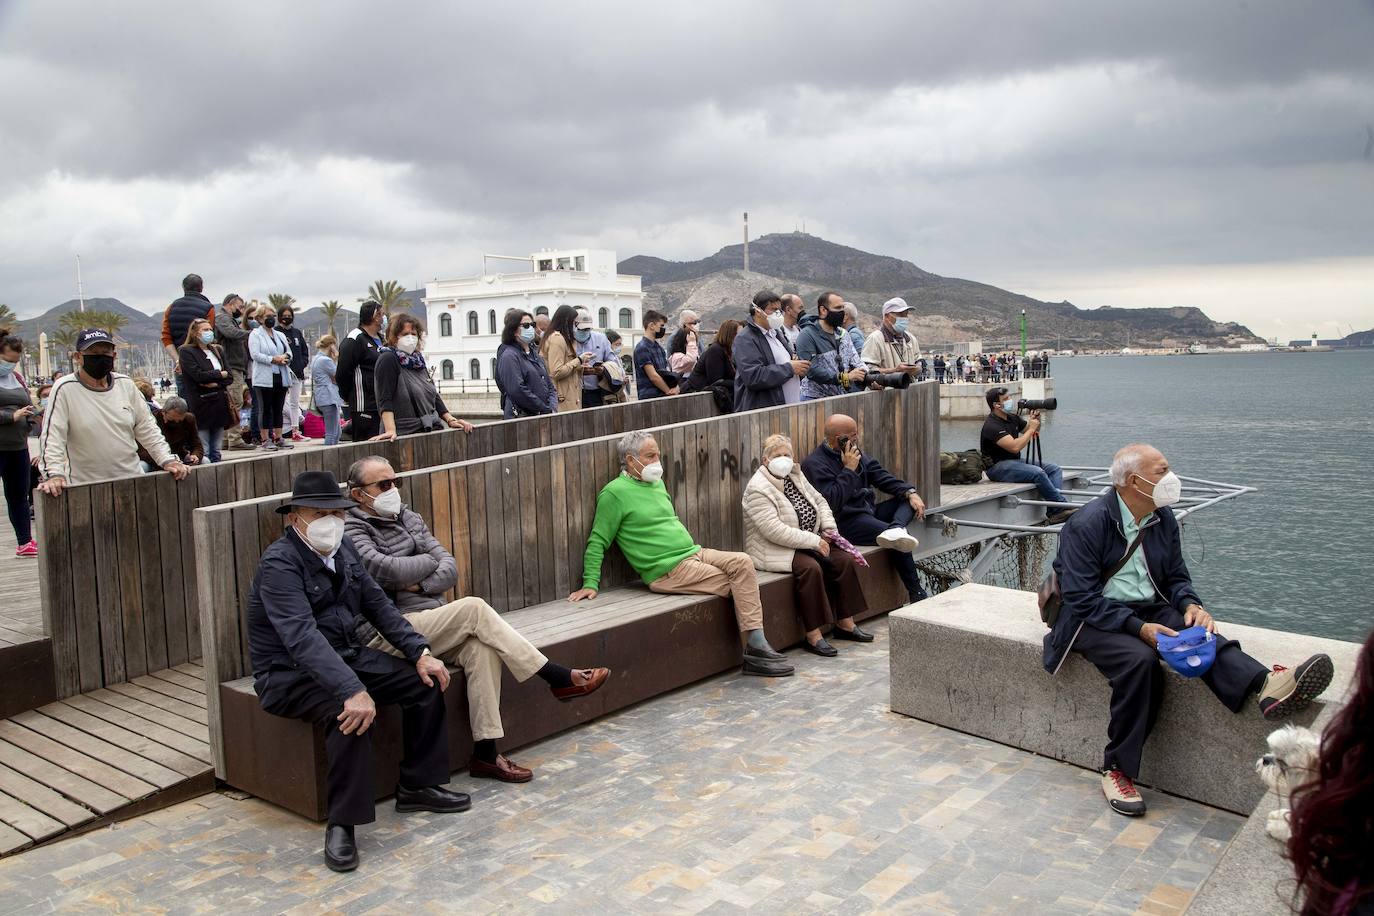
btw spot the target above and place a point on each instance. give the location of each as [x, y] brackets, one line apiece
[635, 512]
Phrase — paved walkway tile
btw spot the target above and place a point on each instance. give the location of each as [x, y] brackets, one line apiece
[802, 795]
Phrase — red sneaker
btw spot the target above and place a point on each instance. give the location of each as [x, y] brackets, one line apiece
[27, 550]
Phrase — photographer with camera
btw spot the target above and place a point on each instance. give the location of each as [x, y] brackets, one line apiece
[1005, 434]
[891, 352]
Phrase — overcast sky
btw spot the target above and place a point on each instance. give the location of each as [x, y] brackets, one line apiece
[1161, 153]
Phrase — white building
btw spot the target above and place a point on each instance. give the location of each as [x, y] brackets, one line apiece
[465, 315]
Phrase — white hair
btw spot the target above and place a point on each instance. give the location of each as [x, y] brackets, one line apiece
[688, 315]
[631, 444]
[1129, 460]
[852, 312]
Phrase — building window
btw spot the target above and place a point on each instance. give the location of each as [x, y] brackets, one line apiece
[579, 263]
[493, 367]
[447, 368]
[474, 368]
[491, 321]
[546, 265]
[603, 318]
[542, 310]
[627, 318]
[472, 324]
[445, 325]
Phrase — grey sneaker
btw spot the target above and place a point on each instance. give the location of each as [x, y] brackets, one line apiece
[1287, 690]
[1121, 794]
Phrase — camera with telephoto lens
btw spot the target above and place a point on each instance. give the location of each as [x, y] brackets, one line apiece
[891, 379]
[1037, 404]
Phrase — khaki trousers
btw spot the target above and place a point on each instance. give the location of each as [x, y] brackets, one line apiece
[717, 572]
[470, 634]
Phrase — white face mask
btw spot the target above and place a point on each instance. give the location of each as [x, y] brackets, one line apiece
[651, 472]
[388, 504]
[780, 466]
[1165, 492]
[407, 343]
[776, 320]
[325, 534]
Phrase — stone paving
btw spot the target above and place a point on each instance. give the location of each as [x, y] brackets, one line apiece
[800, 795]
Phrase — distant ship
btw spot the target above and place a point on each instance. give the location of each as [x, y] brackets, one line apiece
[1313, 347]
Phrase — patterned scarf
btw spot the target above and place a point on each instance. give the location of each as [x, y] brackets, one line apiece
[414, 360]
[840, 543]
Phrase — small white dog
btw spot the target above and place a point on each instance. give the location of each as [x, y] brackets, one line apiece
[1289, 763]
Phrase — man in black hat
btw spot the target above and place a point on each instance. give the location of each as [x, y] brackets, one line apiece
[307, 600]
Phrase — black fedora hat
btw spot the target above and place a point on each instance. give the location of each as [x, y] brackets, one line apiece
[316, 490]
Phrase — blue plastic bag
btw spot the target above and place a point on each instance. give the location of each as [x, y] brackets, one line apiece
[1190, 653]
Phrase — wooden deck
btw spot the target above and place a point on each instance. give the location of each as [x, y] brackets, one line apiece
[103, 756]
[21, 613]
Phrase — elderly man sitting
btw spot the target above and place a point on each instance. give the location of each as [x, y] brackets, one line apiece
[635, 512]
[1117, 600]
[415, 570]
[847, 478]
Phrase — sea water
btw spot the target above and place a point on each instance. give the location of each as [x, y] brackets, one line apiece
[1299, 554]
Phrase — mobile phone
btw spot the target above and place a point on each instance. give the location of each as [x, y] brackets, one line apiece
[844, 443]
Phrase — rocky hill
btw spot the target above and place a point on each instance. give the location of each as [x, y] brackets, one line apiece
[947, 309]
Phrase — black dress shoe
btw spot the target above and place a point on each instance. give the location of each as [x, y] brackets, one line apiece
[340, 852]
[431, 798]
[855, 635]
[767, 652]
[821, 648]
[763, 667]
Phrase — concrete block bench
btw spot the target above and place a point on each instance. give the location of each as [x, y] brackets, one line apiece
[653, 644]
[969, 659]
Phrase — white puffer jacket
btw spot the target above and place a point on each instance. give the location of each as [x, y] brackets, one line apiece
[771, 529]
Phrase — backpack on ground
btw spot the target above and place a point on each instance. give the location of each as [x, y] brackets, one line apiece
[961, 467]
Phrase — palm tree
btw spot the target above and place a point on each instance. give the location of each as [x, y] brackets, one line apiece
[387, 292]
[7, 316]
[279, 301]
[331, 310]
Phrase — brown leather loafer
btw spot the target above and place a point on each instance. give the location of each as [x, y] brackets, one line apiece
[504, 769]
[598, 678]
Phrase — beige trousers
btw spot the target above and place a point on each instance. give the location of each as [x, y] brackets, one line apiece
[717, 572]
[470, 634]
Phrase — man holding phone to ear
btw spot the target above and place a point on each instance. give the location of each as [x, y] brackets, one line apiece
[847, 479]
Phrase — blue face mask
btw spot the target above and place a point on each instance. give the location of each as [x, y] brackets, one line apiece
[901, 325]
[1008, 407]
[527, 335]
[7, 368]
[582, 335]
[252, 323]
[207, 337]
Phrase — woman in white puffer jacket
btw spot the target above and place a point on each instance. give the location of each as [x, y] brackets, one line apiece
[788, 527]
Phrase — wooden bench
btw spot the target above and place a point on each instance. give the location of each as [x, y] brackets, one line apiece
[652, 643]
[517, 526]
[970, 659]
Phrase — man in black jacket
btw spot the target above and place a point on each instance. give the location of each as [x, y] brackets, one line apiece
[1114, 620]
[847, 479]
[177, 318]
[309, 596]
[357, 362]
[767, 372]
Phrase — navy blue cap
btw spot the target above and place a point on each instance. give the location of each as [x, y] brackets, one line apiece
[92, 336]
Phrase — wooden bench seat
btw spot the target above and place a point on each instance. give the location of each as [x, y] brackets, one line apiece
[653, 644]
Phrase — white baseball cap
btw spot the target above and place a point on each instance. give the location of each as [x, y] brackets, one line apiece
[895, 304]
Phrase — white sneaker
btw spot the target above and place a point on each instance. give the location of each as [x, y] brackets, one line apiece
[897, 539]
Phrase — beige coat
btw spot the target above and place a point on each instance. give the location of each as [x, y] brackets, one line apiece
[771, 532]
[879, 354]
[566, 371]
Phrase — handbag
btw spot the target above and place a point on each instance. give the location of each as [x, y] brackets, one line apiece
[1051, 600]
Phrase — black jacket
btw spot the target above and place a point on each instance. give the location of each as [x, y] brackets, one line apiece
[356, 365]
[713, 366]
[300, 351]
[850, 493]
[758, 379]
[408, 394]
[303, 621]
[1091, 542]
[182, 312]
[205, 391]
[524, 383]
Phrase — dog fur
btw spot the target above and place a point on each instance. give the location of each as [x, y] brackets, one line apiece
[1289, 763]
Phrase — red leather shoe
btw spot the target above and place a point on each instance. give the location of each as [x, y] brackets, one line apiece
[504, 769]
[596, 677]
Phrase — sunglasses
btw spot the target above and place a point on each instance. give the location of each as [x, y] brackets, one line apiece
[527, 324]
[384, 485]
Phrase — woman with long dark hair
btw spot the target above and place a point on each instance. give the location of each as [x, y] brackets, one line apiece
[524, 383]
[1332, 846]
[17, 414]
[205, 371]
[560, 356]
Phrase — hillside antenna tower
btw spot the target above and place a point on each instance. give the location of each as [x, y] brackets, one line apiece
[80, 294]
[746, 241]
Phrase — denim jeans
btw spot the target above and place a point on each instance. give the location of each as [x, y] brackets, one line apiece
[330, 413]
[210, 441]
[1048, 478]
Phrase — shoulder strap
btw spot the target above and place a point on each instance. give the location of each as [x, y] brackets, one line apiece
[1121, 564]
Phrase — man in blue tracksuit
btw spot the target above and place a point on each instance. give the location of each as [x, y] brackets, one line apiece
[1114, 620]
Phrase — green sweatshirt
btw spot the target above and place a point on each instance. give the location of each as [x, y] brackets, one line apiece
[639, 517]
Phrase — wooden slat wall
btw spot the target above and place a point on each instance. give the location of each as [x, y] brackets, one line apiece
[519, 521]
[118, 577]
